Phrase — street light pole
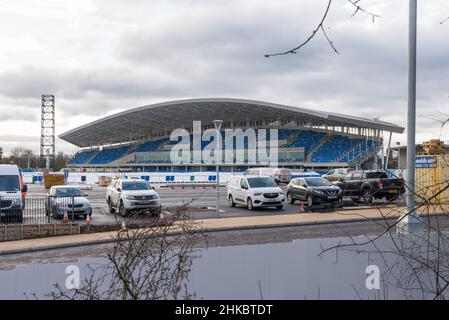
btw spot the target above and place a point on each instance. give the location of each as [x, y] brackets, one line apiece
[218, 154]
[412, 217]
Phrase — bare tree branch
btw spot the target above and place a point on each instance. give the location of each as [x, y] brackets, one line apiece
[321, 27]
[445, 20]
[361, 9]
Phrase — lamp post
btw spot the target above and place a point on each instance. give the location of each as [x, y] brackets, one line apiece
[217, 124]
[411, 222]
[399, 155]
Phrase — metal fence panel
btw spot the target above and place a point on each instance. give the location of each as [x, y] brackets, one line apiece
[40, 210]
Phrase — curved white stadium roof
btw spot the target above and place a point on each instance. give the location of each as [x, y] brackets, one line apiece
[164, 117]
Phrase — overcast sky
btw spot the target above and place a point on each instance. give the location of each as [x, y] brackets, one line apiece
[99, 57]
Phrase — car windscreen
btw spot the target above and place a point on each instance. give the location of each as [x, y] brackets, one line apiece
[135, 185]
[376, 175]
[9, 183]
[261, 182]
[317, 182]
[68, 192]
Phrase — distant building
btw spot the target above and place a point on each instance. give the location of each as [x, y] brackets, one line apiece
[139, 139]
[400, 153]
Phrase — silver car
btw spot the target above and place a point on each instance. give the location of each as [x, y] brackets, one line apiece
[132, 195]
[67, 199]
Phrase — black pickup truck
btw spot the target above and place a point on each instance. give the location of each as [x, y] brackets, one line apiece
[372, 184]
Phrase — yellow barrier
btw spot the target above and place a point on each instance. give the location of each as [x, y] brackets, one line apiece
[104, 181]
[431, 178]
[53, 180]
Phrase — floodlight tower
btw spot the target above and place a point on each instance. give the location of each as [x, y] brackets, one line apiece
[47, 151]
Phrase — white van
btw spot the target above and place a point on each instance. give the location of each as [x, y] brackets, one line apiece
[12, 190]
[254, 191]
[280, 175]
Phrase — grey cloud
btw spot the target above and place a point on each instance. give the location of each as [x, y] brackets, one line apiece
[204, 48]
[18, 113]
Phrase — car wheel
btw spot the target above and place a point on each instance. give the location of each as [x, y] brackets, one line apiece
[289, 198]
[367, 196]
[309, 200]
[122, 210]
[249, 204]
[111, 208]
[279, 207]
[231, 201]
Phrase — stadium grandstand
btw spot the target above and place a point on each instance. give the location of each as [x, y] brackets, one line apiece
[139, 139]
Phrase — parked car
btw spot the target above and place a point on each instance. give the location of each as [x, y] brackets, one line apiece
[371, 184]
[12, 194]
[313, 190]
[254, 191]
[132, 195]
[70, 199]
[336, 174]
[280, 175]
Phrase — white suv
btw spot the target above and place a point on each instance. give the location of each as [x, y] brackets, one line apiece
[255, 191]
[132, 195]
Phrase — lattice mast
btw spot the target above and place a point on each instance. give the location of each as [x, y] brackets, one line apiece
[48, 151]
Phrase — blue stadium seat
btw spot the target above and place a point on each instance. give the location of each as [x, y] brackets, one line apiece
[108, 155]
[308, 139]
[150, 146]
[81, 157]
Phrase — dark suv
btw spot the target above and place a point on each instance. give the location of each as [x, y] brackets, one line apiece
[372, 184]
[312, 190]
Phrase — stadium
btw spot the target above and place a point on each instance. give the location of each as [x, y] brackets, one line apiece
[139, 139]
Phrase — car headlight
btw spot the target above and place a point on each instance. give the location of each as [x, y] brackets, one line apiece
[257, 194]
[318, 192]
[131, 197]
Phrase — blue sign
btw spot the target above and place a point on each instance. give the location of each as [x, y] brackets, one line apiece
[66, 175]
[425, 162]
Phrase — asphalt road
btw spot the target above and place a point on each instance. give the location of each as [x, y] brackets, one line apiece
[200, 200]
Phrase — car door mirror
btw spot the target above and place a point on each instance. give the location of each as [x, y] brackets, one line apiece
[119, 189]
[25, 188]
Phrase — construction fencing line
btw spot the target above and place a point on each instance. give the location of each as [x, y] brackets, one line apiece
[42, 210]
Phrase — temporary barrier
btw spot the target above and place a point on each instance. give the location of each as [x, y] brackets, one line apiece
[104, 181]
[53, 180]
[40, 210]
[432, 178]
